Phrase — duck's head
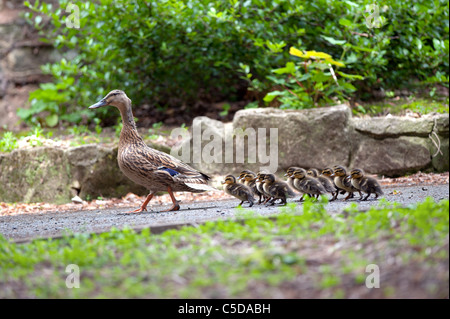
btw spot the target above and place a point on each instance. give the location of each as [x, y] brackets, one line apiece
[269, 179]
[243, 173]
[229, 179]
[115, 98]
[260, 177]
[249, 177]
[313, 172]
[327, 172]
[300, 173]
[339, 170]
[357, 173]
[290, 171]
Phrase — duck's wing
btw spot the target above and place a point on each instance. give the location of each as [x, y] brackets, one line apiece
[157, 159]
[168, 167]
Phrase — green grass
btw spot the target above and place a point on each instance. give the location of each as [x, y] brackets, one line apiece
[302, 252]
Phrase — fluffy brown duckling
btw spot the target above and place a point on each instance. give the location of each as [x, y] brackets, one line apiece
[240, 191]
[328, 173]
[343, 181]
[250, 181]
[290, 176]
[242, 174]
[366, 184]
[326, 182]
[260, 186]
[277, 189]
[307, 184]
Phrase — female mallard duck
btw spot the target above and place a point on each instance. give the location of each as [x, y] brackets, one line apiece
[155, 170]
[250, 182]
[343, 181]
[307, 184]
[240, 191]
[277, 189]
[367, 184]
[326, 182]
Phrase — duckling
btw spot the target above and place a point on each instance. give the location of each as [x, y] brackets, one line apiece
[342, 180]
[242, 174]
[307, 184]
[155, 170]
[250, 181]
[290, 177]
[367, 184]
[326, 183]
[328, 172]
[260, 186]
[277, 189]
[240, 191]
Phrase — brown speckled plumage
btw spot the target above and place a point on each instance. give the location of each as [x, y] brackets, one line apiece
[155, 170]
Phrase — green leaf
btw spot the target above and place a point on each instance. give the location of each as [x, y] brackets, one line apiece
[350, 76]
[289, 69]
[271, 95]
[345, 22]
[51, 120]
[333, 40]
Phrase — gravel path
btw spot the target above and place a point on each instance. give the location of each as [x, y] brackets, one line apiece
[54, 224]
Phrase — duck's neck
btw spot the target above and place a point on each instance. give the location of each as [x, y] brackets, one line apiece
[127, 117]
[129, 133]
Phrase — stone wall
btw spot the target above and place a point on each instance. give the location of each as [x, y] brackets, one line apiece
[21, 57]
[323, 137]
[317, 138]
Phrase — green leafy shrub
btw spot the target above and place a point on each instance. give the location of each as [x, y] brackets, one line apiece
[171, 53]
[310, 82]
[8, 142]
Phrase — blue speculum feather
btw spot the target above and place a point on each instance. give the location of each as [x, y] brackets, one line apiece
[168, 170]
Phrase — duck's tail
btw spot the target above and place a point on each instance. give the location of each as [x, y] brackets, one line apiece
[200, 187]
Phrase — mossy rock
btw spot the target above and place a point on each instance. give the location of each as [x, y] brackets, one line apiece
[35, 175]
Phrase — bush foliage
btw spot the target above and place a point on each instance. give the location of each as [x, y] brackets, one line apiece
[168, 53]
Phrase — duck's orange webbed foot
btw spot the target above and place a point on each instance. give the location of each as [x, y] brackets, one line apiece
[143, 206]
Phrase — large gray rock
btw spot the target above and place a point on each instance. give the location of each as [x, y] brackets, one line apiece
[35, 175]
[393, 126]
[306, 138]
[205, 146]
[94, 168]
[392, 156]
[49, 174]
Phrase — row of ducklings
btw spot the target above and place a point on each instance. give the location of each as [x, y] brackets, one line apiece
[268, 188]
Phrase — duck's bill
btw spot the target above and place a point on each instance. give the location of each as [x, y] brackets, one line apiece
[98, 104]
